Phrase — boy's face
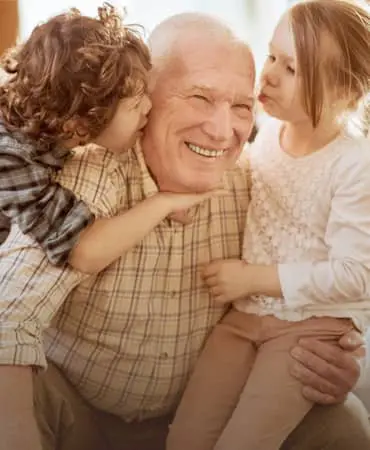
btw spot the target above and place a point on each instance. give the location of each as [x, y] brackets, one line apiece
[129, 119]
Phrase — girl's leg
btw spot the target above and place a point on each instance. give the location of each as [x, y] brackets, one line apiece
[271, 404]
[213, 390]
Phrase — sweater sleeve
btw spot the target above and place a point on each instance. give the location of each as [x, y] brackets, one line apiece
[345, 275]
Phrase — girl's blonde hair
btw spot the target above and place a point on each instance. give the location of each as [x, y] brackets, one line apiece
[332, 47]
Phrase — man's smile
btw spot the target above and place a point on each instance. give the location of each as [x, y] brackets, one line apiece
[209, 153]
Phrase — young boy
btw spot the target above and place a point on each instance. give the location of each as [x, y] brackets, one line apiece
[76, 80]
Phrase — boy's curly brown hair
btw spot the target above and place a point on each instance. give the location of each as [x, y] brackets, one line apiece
[72, 68]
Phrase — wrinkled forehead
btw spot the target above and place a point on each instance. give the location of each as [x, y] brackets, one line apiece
[218, 65]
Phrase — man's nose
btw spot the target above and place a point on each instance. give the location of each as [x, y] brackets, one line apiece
[218, 124]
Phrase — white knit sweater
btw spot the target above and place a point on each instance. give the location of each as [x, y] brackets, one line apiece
[311, 216]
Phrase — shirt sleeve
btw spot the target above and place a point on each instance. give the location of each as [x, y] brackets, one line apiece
[345, 276]
[93, 175]
[31, 289]
[42, 208]
[4, 227]
[31, 292]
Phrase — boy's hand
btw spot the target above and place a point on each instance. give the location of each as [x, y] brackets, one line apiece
[227, 279]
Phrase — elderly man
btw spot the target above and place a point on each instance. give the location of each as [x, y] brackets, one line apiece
[122, 344]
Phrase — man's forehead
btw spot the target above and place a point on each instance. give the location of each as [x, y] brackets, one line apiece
[210, 44]
[222, 60]
[217, 76]
[241, 90]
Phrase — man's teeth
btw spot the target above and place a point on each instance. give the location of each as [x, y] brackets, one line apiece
[205, 152]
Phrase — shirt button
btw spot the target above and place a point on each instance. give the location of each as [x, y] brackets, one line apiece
[173, 293]
[163, 355]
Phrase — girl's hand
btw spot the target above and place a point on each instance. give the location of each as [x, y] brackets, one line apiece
[227, 279]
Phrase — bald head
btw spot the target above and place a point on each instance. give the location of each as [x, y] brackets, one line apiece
[174, 30]
[171, 36]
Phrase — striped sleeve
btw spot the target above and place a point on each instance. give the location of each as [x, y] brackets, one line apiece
[4, 227]
[42, 208]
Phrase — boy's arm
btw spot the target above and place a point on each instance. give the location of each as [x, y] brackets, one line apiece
[100, 180]
[43, 209]
[109, 238]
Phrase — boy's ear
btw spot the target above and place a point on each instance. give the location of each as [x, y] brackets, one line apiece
[70, 126]
[77, 131]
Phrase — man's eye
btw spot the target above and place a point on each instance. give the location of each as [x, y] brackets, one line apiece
[291, 70]
[243, 106]
[200, 97]
[271, 58]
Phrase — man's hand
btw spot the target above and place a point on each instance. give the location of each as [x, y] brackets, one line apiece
[328, 371]
[227, 279]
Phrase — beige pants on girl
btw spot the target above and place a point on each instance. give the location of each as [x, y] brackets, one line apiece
[242, 395]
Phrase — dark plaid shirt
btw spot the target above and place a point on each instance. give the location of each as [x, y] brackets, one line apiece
[29, 196]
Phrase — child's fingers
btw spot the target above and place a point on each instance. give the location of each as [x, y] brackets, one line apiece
[211, 269]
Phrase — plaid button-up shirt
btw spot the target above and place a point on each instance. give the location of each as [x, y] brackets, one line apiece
[127, 338]
[30, 197]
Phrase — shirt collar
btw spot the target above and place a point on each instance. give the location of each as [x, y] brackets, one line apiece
[150, 187]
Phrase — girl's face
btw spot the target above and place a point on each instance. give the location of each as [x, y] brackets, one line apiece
[280, 91]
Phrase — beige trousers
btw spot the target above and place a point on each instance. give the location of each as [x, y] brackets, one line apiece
[67, 422]
[241, 395]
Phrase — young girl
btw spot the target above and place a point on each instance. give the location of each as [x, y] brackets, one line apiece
[76, 80]
[306, 267]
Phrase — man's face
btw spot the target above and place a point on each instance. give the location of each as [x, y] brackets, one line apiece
[202, 115]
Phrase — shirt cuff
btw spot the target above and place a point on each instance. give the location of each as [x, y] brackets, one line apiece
[19, 346]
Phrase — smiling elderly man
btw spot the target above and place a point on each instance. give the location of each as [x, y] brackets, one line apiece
[121, 345]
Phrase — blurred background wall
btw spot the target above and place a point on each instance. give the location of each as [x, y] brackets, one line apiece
[8, 23]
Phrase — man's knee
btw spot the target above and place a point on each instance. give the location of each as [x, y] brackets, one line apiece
[52, 411]
[64, 419]
[339, 427]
